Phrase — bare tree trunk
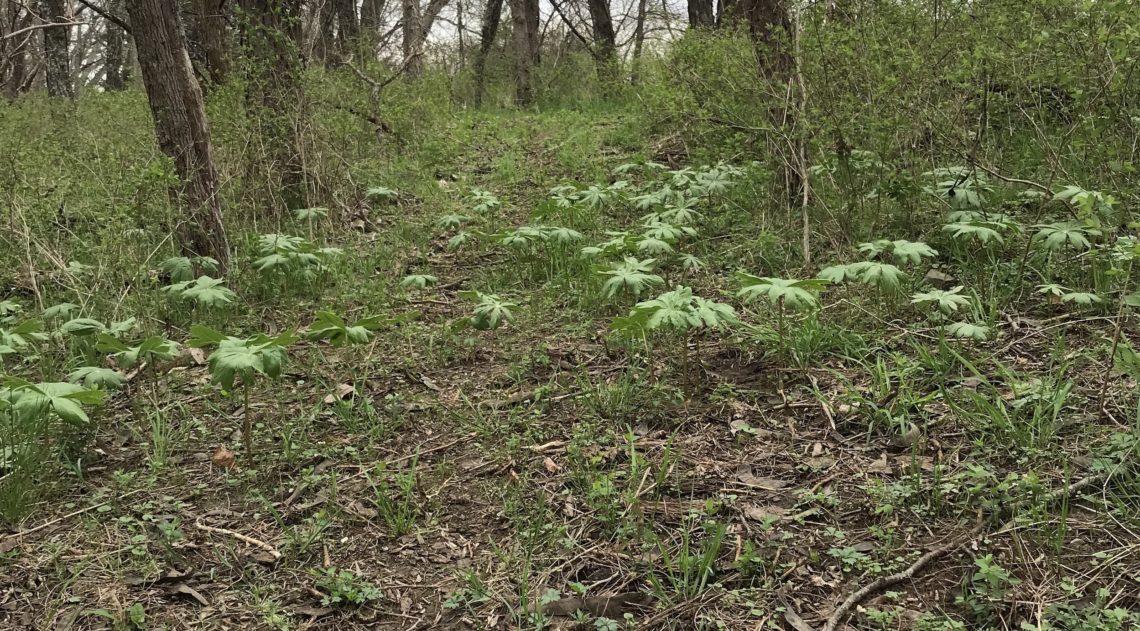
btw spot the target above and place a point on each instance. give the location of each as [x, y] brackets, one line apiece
[114, 42]
[605, 40]
[271, 34]
[410, 19]
[700, 13]
[371, 17]
[180, 125]
[14, 50]
[492, 15]
[348, 27]
[57, 43]
[211, 28]
[638, 41]
[524, 32]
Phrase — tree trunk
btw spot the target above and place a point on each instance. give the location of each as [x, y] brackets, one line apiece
[605, 40]
[271, 32]
[180, 126]
[211, 29]
[410, 20]
[492, 15]
[524, 32]
[57, 43]
[638, 41]
[14, 50]
[700, 13]
[371, 17]
[114, 43]
[348, 27]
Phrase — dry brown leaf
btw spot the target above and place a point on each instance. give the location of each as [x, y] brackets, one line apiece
[550, 465]
[186, 590]
[765, 513]
[224, 458]
[344, 392]
[745, 475]
[198, 356]
[880, 466]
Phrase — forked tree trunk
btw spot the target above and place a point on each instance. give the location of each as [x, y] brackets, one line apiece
[492, 15]
[57, 43]
[524, 32]
[180, 126]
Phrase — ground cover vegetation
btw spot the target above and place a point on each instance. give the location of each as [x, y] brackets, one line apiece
[768, 315]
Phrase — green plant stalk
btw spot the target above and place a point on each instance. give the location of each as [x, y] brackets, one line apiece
[247, 423]
[1115, 339]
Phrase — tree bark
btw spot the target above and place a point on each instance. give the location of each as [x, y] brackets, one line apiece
[700, 13]
[605, 40]
[57, 44]
[211, 30]
[347, 27]
[14, 50]
[524, 32]
[492, 15]
[181, 127]
[371, 17]
[271, 35]
[638, 41]
[114, 44]
[410, 20]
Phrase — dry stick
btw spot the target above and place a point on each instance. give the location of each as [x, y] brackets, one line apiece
[862, 594]
[237, 535]
[24, 533]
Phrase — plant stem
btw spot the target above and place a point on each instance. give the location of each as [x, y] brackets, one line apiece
[1115, 339]
[247, 424]
[685, 365]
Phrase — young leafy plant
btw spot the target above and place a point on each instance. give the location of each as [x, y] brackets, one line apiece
[783, 294]
[205, 291]
[65, 400]
[631, 276]
[152, 349]
[418, 281]
[947, 302]
[901, 250]
[381, 194]
[679, 312]
[242, 360]
[182, 268]
[491, 311]
[329, 326]
[1057, 236]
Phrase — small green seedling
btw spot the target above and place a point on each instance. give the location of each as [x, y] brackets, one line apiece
[329, 326]
[491, 311]
[418, 281]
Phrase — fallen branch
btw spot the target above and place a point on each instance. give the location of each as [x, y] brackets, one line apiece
[844, 609]
[240, 537]
[24, 533]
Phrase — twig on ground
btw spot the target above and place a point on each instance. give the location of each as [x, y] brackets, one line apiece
[240, 537]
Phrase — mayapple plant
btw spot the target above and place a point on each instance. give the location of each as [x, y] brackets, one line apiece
[329, 326]
[204, 291]
[180, 269]
[783, 294]
[491, 311]
[945, 303]
[242, 360]
[678, 312]
[310, 216]
[294, 258]
[381, 194]
[631, 275]
[36, 400]
[418, 281]
[152, 349]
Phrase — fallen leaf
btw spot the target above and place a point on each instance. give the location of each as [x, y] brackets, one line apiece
[198, 356]
[613, 607]
[765, 513]
[550, 465]
[312, 612]
[344, 392]
[224, 458]
[880, 465]
[186, 590]
[745, 475]
[429, 383]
